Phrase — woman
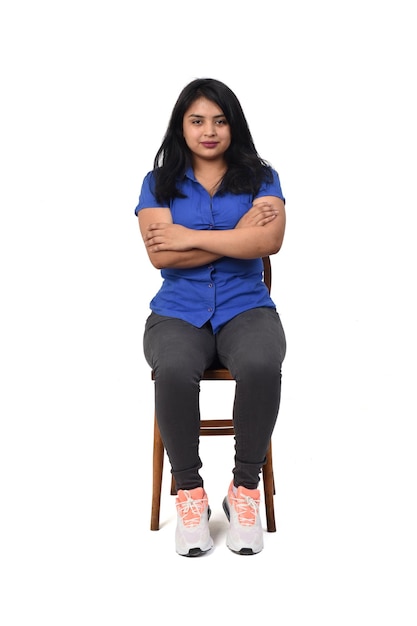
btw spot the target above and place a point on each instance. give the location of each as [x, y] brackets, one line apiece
[208, 212]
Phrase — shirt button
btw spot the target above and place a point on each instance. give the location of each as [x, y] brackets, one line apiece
[209, 309]
[210, 284]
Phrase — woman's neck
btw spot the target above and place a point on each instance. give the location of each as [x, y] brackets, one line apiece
[210, 174]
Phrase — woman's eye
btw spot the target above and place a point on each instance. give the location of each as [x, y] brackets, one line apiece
[221, 122]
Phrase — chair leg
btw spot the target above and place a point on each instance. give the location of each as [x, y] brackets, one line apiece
[269, 490]
[158, 466]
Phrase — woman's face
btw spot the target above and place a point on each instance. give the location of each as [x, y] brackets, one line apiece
[206, 130]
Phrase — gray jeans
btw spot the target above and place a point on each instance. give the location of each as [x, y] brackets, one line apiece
[252, 346]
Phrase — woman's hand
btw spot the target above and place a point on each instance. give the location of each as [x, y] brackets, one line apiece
[160, 237]
[259, 214]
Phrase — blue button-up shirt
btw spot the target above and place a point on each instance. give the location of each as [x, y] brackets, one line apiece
[219, 291]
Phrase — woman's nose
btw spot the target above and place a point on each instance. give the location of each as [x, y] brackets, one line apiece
[210, 130]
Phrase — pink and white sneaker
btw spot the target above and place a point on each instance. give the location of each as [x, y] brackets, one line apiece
[245, 534]
[192, 535]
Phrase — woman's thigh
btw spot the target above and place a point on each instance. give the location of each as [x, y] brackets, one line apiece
[173, 345]
[251, 341]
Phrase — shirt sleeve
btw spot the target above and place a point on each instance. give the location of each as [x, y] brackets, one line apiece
[147, 198]
[271, 189]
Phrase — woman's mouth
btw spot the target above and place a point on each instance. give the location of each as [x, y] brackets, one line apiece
[209, 144]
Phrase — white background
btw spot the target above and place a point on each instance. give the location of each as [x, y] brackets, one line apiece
[328, 89]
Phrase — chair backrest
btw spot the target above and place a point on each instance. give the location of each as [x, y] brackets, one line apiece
[213, 427]
[267, 272]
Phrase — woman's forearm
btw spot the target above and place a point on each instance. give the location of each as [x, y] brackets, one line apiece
[182, 259]
[244, 243]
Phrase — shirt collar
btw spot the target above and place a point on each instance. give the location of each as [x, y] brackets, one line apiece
[189, 173]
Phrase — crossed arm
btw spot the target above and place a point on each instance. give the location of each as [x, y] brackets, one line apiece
[259, 233]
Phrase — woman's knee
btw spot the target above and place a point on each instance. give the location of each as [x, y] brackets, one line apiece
[259, 371]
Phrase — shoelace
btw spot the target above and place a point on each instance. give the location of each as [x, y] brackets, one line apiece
[246, 509]
[195, 507]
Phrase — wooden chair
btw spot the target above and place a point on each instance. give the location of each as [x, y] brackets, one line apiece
[213, 427]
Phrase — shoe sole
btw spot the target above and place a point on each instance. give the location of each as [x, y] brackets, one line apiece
[242, 551]
[193, 552]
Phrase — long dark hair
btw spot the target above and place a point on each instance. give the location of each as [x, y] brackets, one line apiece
[246, 171]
